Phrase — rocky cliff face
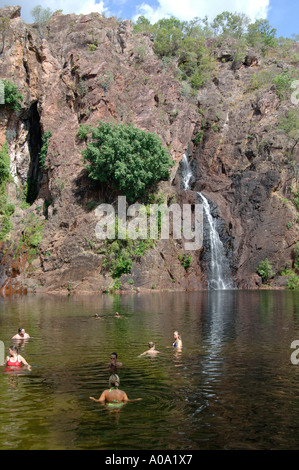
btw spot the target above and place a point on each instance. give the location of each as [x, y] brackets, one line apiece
[82, 69]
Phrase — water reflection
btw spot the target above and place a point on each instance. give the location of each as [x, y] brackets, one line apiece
[231, 386]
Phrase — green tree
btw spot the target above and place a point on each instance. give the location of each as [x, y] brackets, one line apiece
[228, 24]
[41, 15]
[296, 257]
[6, 208]
[143, 25]
[12, 96]
[261, 34]
[44, 150]
[198, 27]
[169, 32]
[265, 270]
[127, 158]
[4, 164]
[4, 26]
[290, 125]
[282, 83]
[184, 41]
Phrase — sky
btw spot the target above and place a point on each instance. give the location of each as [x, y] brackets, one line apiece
[281, 14]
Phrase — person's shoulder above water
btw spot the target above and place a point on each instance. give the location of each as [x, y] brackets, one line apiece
[21, 334]
[113, 394]
[14, 359]
[152, 351]
[114, 363]
[177, 340]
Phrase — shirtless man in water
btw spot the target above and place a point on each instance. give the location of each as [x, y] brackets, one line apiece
[151, 351]
[21, 334]
[113, 361]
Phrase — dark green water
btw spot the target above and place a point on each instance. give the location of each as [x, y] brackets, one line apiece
[233, 386]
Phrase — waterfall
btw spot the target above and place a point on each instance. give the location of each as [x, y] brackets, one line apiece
[219, 276]
[219, 273]
[186, 171]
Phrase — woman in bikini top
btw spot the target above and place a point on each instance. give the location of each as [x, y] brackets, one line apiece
[113, 395]
[16, 360]
[177, 340]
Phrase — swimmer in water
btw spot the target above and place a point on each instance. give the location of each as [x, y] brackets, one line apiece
[113, 361]
[14, 359]
[151, 351]
[177, 340]
[113, 394]
[21, 334]
[117, 315]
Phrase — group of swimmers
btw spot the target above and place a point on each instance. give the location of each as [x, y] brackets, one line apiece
[113, 395]
[14, 359]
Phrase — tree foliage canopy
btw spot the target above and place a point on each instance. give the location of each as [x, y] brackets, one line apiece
[12, 96]
[125, 157]
[187, 40]
[41, 15]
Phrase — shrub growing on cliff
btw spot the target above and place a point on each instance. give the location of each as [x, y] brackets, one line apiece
[126, 158]
[6, 208]
[186, 261]
[186, 42]
[296, 257]
[4, 164]
[290, 125]
[228, 24]
[265, 270]
[12, 96]
[41, 15]
[261, 34]
[44, 150]
[293, 282]
[120, 253]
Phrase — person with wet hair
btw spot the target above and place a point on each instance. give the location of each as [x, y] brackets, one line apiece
[113, 394]
[114, 362]
[14, 359]
[151, 351]
[177, 340]
[21, 334]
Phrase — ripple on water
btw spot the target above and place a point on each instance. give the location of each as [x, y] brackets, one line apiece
[232, 386]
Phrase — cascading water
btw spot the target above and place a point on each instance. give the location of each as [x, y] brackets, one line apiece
[186, 172]
[219, 271]
[219, 276]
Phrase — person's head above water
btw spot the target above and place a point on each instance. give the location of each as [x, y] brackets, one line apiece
[113, 357]
[13, 350]
[151, 344]
[177, 340]
[114, 362]
[114, 380]
[21, 334]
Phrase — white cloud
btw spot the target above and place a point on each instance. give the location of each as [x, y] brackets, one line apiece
[189, 9]
[181, 9]
[67, 6]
